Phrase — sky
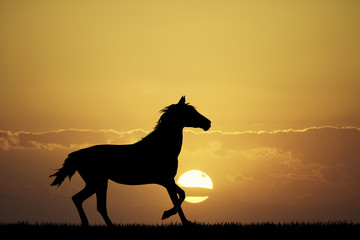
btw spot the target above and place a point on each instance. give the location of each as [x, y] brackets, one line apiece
[278, 79]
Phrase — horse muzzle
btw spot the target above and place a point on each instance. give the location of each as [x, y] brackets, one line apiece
[207, 125]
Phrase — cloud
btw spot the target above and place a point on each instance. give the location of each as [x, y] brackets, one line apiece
[66, 138]
[298, 177]
[284, 166]
[327, 153]
[239, 178]
[317, 166]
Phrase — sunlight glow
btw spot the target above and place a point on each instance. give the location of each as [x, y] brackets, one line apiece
[196, 199]
[195, 179]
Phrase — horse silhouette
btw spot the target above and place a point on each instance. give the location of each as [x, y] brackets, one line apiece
[152, 160]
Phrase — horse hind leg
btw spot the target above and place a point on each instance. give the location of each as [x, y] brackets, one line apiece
[78, 200]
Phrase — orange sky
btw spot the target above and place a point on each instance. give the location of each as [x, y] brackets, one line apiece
[246, 65]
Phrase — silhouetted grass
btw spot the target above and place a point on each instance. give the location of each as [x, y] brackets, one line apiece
[266, 229]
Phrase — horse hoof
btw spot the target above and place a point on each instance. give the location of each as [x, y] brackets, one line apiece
[168, 213]
[110, 226]
[84, 225]
[187, 223]
[165, 215]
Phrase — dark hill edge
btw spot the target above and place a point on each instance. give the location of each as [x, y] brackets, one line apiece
[265, 229]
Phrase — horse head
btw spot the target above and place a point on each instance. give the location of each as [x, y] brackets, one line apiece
[182, 115]
[190, 117]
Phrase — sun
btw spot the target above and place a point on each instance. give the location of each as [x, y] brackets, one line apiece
[195, 179]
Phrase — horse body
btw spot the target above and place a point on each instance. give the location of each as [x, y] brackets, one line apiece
[154, 159]
[143, 162]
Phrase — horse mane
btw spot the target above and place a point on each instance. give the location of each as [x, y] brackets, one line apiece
[167, 112]
[165, 118]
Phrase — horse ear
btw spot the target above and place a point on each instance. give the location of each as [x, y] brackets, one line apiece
[182, 100]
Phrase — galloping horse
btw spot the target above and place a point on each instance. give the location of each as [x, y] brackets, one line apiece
[154, 159]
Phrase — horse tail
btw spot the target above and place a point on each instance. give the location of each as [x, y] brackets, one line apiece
[68, 170]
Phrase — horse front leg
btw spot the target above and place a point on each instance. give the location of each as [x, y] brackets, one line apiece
[174, 190]
[173, 211]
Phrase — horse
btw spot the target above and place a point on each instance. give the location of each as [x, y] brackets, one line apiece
[152, 160]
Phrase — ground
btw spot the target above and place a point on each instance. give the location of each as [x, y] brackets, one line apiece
[312, 230]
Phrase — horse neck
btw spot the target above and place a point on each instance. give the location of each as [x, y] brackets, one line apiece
[170, 133]
[168, 137]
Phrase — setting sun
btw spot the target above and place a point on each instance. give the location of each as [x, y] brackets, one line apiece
[195, 179]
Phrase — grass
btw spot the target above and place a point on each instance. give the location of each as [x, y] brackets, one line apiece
[292, 229]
